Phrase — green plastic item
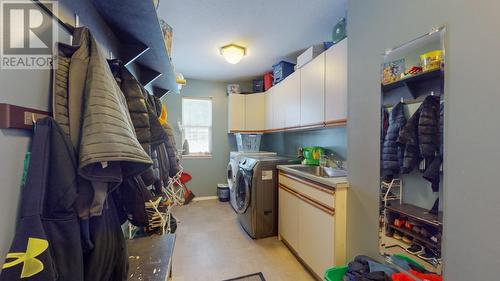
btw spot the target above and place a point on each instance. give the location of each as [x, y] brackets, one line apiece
[336, 273]
[410, 260]
[312, 155]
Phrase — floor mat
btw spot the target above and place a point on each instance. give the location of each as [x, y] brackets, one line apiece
[252, 277]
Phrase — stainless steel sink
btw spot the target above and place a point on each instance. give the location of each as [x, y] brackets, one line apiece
[324, 172]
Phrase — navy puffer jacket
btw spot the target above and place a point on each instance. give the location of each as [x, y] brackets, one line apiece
[392, 152]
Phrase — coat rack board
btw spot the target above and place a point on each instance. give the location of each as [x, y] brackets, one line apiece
[18, 117]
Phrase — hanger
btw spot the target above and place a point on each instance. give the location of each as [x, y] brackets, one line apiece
[33, 118]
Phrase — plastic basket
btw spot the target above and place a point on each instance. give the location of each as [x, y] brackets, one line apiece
[336, 273]
[248, 142]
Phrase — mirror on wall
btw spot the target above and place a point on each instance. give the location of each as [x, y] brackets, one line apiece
[412, 150]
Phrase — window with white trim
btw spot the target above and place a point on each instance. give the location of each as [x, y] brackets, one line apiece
[197, 124]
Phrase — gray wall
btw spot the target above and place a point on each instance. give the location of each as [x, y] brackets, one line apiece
[206, 172]
[287, 143]
[471, 189]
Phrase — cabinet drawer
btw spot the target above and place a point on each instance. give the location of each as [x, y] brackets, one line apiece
[308, 189]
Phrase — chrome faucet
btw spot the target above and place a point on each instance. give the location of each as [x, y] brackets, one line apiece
[300, 152]
[333, 161]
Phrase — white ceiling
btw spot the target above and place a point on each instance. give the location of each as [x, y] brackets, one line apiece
[271, 30]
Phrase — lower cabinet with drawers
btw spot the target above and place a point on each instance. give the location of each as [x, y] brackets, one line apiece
[312, 221]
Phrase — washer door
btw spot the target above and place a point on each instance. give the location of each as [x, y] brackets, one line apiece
[230, 175]
[243, 191]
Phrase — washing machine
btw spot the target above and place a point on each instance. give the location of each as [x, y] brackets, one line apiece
[256, 194]
[232, 168]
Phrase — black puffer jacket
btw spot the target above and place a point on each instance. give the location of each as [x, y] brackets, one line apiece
[132, 90]
[158, 135]
[170, 145]
[432, 172]
[428, 128]
[421, 134]
[409, 138]
[392, 152]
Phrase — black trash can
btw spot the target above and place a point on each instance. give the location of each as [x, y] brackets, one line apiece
[223, 192]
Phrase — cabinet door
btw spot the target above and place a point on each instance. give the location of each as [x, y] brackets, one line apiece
[236, 112]
[288, 218]
[255, 112]
[292, 99]
[312, 91]
[278, 106]
[336, 82]
[269, 110]
[316, 237]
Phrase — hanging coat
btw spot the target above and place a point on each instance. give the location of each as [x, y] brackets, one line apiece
[428, 128]
[100, 126]
[47, 245]
[421, 137]
[392, 152]
[409, 138]
[432, 172]
[108, 260]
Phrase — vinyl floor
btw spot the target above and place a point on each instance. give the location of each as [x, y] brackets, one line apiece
[212, 246]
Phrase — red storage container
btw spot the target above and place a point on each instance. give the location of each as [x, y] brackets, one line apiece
[268, 81]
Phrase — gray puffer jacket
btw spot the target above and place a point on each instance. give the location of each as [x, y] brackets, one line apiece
[95, 113]
[109, 149]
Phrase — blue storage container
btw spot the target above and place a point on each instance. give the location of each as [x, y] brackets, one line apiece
[258, 85]
[281, 70]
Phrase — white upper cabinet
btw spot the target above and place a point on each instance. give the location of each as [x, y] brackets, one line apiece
[336, 82]
[311, 96]
[312, 92]
[292, 99]
[269, 110]
[278, 99]
[247, 112]
[255, 112]
[282, 94]
[236, 111]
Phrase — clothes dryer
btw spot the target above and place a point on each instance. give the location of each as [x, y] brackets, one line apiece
[256, 194]
[233, 167]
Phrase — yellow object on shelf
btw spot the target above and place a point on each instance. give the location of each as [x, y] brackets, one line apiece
[431, 60]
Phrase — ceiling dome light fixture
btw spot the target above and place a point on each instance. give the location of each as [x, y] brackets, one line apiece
[233, 53]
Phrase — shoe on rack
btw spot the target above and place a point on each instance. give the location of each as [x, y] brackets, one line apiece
[407, 239]
[409, 225]
[425, 233]
[397, 235]
[399, 223]
[427, 256]
[415, 249]
[416, 229]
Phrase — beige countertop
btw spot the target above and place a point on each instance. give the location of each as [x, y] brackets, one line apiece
[337, 182]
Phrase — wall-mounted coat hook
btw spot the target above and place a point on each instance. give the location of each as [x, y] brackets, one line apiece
[17, 117]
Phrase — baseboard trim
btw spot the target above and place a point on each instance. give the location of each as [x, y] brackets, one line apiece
[204, 198]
